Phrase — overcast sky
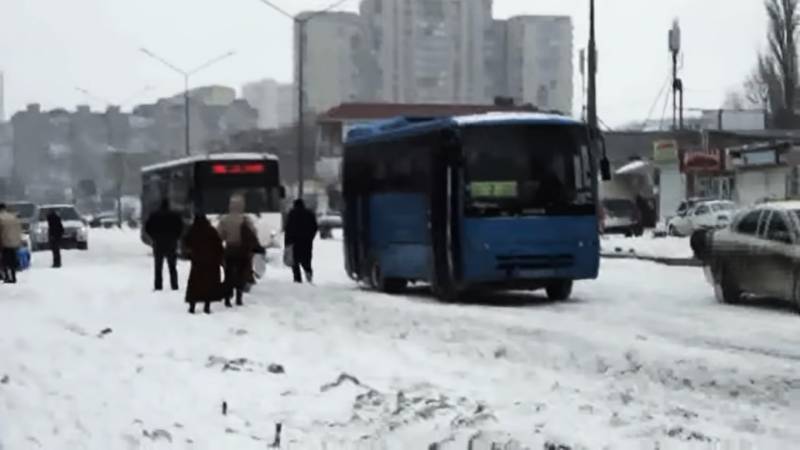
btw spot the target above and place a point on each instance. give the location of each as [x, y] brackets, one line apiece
[48, 47]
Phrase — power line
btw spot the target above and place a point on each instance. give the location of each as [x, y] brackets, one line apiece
[663, 112]
[655, 102]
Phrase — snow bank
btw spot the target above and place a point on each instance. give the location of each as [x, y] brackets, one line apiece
[646, 246]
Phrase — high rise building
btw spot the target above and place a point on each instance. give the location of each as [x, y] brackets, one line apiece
[273, 100]
[539, 62]
[429, 50]
[335, 52]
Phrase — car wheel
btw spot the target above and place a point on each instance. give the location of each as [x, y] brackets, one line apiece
[83, 246]
[725, 288]
[559, 290]
[673, 231]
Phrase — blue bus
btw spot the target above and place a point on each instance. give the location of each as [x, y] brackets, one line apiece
[496, 200]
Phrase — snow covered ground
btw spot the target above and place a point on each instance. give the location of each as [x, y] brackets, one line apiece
[641, 358]
[647, 246]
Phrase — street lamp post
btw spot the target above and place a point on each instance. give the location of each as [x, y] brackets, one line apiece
[118, 153]
[186, 74]
[300, 22]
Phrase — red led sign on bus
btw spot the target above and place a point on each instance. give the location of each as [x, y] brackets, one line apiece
[237, 169]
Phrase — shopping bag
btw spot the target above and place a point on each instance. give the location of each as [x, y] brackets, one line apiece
[288, 256]
[259, 266]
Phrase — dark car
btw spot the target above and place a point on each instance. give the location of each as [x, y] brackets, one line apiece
[757, 254]
[621, 216]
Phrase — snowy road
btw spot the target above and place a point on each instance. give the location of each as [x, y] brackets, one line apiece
[641, 356]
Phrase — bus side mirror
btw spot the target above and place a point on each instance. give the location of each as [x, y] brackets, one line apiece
[605, 169]
[282, 192]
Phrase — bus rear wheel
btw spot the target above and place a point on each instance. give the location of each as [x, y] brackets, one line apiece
[380, 283]
[559, 290]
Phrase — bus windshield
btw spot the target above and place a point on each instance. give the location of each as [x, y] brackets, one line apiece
[527, 170]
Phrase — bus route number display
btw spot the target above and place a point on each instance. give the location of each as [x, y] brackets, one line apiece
[493, 189]
[237, 169]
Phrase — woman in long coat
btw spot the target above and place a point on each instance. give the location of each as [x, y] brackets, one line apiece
[205, 248]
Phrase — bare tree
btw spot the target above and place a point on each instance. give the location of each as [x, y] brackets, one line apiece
[733, 100]
[763, 88]
[783, 26]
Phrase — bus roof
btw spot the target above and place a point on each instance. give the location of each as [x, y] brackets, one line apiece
[401, 126]
[209, 157]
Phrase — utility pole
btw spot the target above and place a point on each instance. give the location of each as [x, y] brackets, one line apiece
[677, 83]
[300, 21]
[582, 64]
[301, 57]
[591, 107]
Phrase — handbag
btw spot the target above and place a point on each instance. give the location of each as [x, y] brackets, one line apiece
[288, 256]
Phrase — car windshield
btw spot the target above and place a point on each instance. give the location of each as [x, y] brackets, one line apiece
[65, 213]
[22, 210]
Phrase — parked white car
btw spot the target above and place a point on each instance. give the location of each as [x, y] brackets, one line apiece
[713, 214]
[76, 231]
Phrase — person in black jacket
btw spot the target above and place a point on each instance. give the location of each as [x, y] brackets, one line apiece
[165, 228]
[301, 228]
[55, 233]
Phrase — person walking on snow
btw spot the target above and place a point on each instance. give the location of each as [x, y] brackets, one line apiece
[10, 242]
[165, 228]
[55, 233]
[301, 228]
[205, 247]
[237, 232]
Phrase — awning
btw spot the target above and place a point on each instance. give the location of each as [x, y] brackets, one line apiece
[634, 167]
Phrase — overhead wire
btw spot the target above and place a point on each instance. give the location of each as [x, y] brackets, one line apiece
[655, 101]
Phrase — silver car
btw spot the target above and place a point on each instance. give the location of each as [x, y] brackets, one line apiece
[759, 253]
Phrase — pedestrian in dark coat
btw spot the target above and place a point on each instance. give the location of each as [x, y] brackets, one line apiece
[55, 233]
[205, 247]
[165, 228]
[301, 228]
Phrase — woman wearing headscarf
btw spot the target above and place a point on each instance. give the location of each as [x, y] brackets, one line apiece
[237, 232]
[206, 252]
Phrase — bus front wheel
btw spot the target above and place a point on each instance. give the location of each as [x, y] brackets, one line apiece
[380, 283]
[559, 290]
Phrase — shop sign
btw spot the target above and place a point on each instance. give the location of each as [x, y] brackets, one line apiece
[665, 151]
[701, 161]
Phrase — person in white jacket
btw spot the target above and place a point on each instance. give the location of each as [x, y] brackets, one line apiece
[10, 241]
[237, 232]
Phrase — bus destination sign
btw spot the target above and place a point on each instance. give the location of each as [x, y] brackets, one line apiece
[237, 169]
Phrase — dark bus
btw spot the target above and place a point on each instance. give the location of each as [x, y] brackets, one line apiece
[205, 184]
